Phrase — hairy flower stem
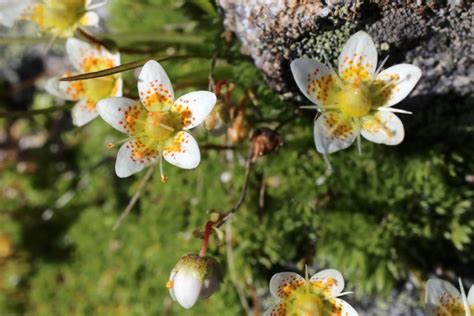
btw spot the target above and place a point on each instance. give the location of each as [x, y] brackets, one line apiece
[205, 238]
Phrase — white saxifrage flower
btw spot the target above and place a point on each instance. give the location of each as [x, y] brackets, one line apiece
[316, 296]
[443, 299]
[157, 125]
[359, 99]
[194, 278]
[10, 10]
[87, 58]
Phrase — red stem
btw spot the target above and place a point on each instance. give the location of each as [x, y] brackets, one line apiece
[205, 238]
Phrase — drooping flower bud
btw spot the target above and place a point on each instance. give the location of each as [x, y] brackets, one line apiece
[192, 278]
[265, 141]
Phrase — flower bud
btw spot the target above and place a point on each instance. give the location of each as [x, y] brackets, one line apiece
[192, 278]
[215, 121]
[265, 141]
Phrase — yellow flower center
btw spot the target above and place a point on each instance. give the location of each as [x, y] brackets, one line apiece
[58, 17]
[99, 88]
[354, 100]
[160, 125]
[309, 299]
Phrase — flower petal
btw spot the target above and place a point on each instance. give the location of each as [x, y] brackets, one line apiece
[283, 283]
[182, 151]
[383, 128]
[67, 90]
[117, 91]
[86, 57]
[276, 310]
[187, 288]
[358, 58]
[194, 107]
[441, 296]
[125, 115]
[154, 86]
[465, 302]
[333, 132]
[345, 308]
[331, 279]
[314, 79]
[470, 296]
[90, 19]
[83, 112]
[398, 82]
[133, 157]
[10, 10]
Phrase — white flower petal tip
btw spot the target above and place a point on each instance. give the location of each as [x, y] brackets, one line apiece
[470, 296]
[441, 295]
[345, 308]
[83, 112]
[10, 11]
[282, 279]
[331, 279]
[86, 57]
[358, 57]
[401, 79]
[313, 79]
[131, 158]
[194, 278]
[464, 299]
[383, 128]
[59, 89]
[333, 132]
[90, 19]
[194, 107]
[154, 87]
[121, 113]
[182, 151]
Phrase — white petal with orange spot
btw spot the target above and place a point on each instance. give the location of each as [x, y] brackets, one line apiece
[67, 90]
[154, 87]
[83, 112]
[314, 79]
[358, 58]
[404, 78]
[182, 151]
[383, 128]
[345, 309]
[125, 115]
[86, 57]
[132, 158]
[331, 279]
[276, 310]
[283, 283]
[441, 295]
[194, 107]
[333, 132]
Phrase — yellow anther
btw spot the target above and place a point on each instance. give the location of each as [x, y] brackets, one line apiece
[169, 284]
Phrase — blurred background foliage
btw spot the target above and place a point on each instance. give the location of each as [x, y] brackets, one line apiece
[391, 215]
